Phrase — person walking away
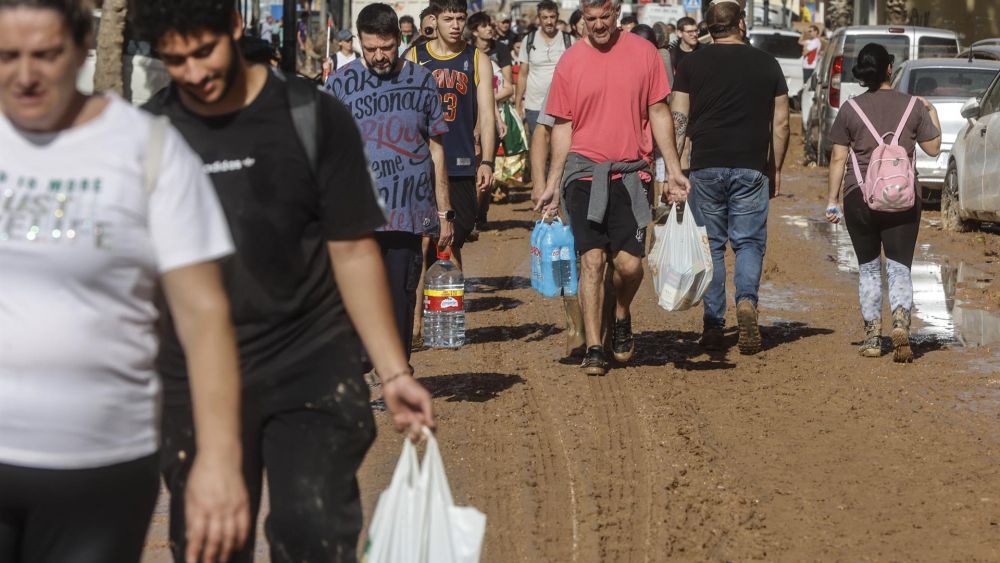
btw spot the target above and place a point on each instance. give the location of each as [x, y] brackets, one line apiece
[408, 33]
[405, 173]
[811, 46]
[462, 73]
[733, 102]
[483, 35]
[687, 34]
[307, 281]
[541, 51]
[84, 246]
[602, 145]
[881, 115]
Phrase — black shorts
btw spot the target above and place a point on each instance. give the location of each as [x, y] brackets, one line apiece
[618, 232]
[465, 202]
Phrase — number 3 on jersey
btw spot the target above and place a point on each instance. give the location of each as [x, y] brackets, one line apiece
[450, 103]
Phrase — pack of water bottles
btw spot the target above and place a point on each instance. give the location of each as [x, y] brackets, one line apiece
[553, 259]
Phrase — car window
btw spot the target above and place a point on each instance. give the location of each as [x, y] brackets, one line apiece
[949, 82]
[777, 45]
[991, 101]
[936, 47]
[897, 45]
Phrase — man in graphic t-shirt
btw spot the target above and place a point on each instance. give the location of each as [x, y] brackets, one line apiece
[602, 146]
[395, 103]
[811, 46]
[737, 121]
[307, 280]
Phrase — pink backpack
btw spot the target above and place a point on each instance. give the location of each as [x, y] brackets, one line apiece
[889, 183]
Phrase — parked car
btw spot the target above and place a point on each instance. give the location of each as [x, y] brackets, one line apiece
[948, 84]
[836, 84]
[784, 46]
[972, 184]
[143, 72]
[982, 51]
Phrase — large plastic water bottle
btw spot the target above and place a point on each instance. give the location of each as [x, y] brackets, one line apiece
[444, 304]
[567, 249]
[551, 284]
[536, 255]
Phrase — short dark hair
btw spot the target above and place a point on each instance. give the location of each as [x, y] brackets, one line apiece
[685, 21]
[155, 18]
[406, 19]
[815, 27]
[547, 6]
[378, 19]
[629, 18]
[428, 11]
[477, 20]
[872, 66]
[76, 14]
[723, 19]
[575, 17]
[647, 33]
[456, 6]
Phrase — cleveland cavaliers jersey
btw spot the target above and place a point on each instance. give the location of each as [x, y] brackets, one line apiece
[457, 77]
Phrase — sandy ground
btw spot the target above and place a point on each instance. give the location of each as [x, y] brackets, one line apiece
[803, 452]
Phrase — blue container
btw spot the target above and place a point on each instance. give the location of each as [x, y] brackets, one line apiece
[567, 248]
[550, 284]
[536, 254]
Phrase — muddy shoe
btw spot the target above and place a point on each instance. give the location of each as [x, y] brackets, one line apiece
[712, 338]
[622, 343]
[594, 363]
[746, 316]
[901, 351]
[872, 346]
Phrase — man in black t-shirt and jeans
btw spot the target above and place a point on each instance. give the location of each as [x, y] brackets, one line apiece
[307, 280]
[736, 99]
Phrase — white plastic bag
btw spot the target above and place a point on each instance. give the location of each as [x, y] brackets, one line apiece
[416, 520]
[680, 261]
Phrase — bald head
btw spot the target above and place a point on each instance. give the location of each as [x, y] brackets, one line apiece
[723, 19]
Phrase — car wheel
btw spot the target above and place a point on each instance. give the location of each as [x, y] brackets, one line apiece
[950, 218]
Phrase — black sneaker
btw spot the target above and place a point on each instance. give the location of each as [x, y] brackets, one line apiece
[473, 235]
[594, 363]
[713, 338]
[622, 343]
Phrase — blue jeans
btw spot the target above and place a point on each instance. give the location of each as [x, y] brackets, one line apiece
[732, 204]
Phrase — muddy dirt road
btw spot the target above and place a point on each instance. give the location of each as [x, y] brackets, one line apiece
[803, 452]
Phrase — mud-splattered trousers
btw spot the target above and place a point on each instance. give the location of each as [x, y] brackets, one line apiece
[871, 233]
[310, 431]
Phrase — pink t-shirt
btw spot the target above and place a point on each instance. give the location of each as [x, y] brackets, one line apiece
[607, 97]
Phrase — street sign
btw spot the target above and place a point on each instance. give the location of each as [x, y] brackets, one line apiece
[692, 5]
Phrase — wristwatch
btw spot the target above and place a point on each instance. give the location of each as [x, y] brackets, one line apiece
[448, 215]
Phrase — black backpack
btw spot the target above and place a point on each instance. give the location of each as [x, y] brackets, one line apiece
[530, 41]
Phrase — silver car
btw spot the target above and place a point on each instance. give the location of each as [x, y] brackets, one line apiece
[948, 84]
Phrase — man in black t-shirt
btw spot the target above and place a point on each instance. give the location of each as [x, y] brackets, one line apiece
[736, 100]
[687, 42]
[306, 281]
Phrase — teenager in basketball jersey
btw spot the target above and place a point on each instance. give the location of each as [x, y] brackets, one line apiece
[464, 78]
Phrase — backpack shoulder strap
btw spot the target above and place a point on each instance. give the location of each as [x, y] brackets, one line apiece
[530, 41]
[902, 122]
[155, 145]
[567, 39]
[303, 98]
[866, 121]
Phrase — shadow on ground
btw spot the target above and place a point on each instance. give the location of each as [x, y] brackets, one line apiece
[529, 332]
[470, 387]
[495, 284]
[492, 303]
[509, 224]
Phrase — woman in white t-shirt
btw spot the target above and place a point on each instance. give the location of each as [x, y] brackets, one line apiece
[85, 241]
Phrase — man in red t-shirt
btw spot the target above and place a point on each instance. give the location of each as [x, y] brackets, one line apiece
[609, 99]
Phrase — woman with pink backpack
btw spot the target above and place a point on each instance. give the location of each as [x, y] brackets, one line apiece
[878, 132]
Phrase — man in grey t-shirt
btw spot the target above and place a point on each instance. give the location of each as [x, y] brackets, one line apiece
[540, 52]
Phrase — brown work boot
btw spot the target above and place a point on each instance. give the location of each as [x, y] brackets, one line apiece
[746, 317]
[872, 346]
[901, 351]
[712, 338]
[574, 325]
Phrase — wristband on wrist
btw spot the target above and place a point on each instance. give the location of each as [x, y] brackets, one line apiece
[486, 163]
[397, 375]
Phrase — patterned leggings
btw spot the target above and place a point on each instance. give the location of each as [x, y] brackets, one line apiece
[871, 233]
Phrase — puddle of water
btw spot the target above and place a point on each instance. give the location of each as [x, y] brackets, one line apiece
[945, 318]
